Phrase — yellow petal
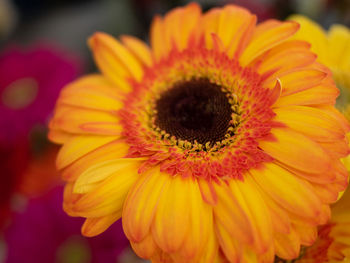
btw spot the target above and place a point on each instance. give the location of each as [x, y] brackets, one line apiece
[114, 60]
[78, 146]
[172, 215]
[289, 146]
[231, 247]
[287, 246]
[138, 48]
[200, 226]
[99, 172]
[109, 196]
[339, 44]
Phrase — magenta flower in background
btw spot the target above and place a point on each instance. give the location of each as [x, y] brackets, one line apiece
[44, 233]
[30, 81]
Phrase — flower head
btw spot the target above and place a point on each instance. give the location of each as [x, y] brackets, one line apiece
[220, 143]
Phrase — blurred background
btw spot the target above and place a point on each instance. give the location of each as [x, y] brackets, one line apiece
[42, 48]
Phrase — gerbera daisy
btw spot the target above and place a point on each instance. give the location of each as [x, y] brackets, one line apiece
[333, 242]
[219, 143]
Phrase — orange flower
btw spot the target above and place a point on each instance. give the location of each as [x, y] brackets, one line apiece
[220, 143]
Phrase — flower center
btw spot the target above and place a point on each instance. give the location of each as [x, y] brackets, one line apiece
[194, 111]
[20, 93]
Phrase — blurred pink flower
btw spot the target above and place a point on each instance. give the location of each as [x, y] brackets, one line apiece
[44, 233]
[30, 81]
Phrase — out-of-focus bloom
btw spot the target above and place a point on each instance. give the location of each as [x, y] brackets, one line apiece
[220, 143]
[333, 242]
[332, 49]
[44, 233]
[30, 81]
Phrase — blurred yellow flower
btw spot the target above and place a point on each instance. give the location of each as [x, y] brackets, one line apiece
[332, 49]
[220, 143]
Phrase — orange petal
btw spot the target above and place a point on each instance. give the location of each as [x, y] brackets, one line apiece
[58, 136]
[85, 121]
[297, 80]
[159, 49]
[296, 52]
[322, 94]
[96, 225]
[109, 196]
[91, 92]
[175, 30]
[290, 146]
[307, 234]
[145, 248]
[287, 246]
[288, 190]
[181, 24]
[232, 24]
[114, 60]
[267, 35]
[207, 191]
